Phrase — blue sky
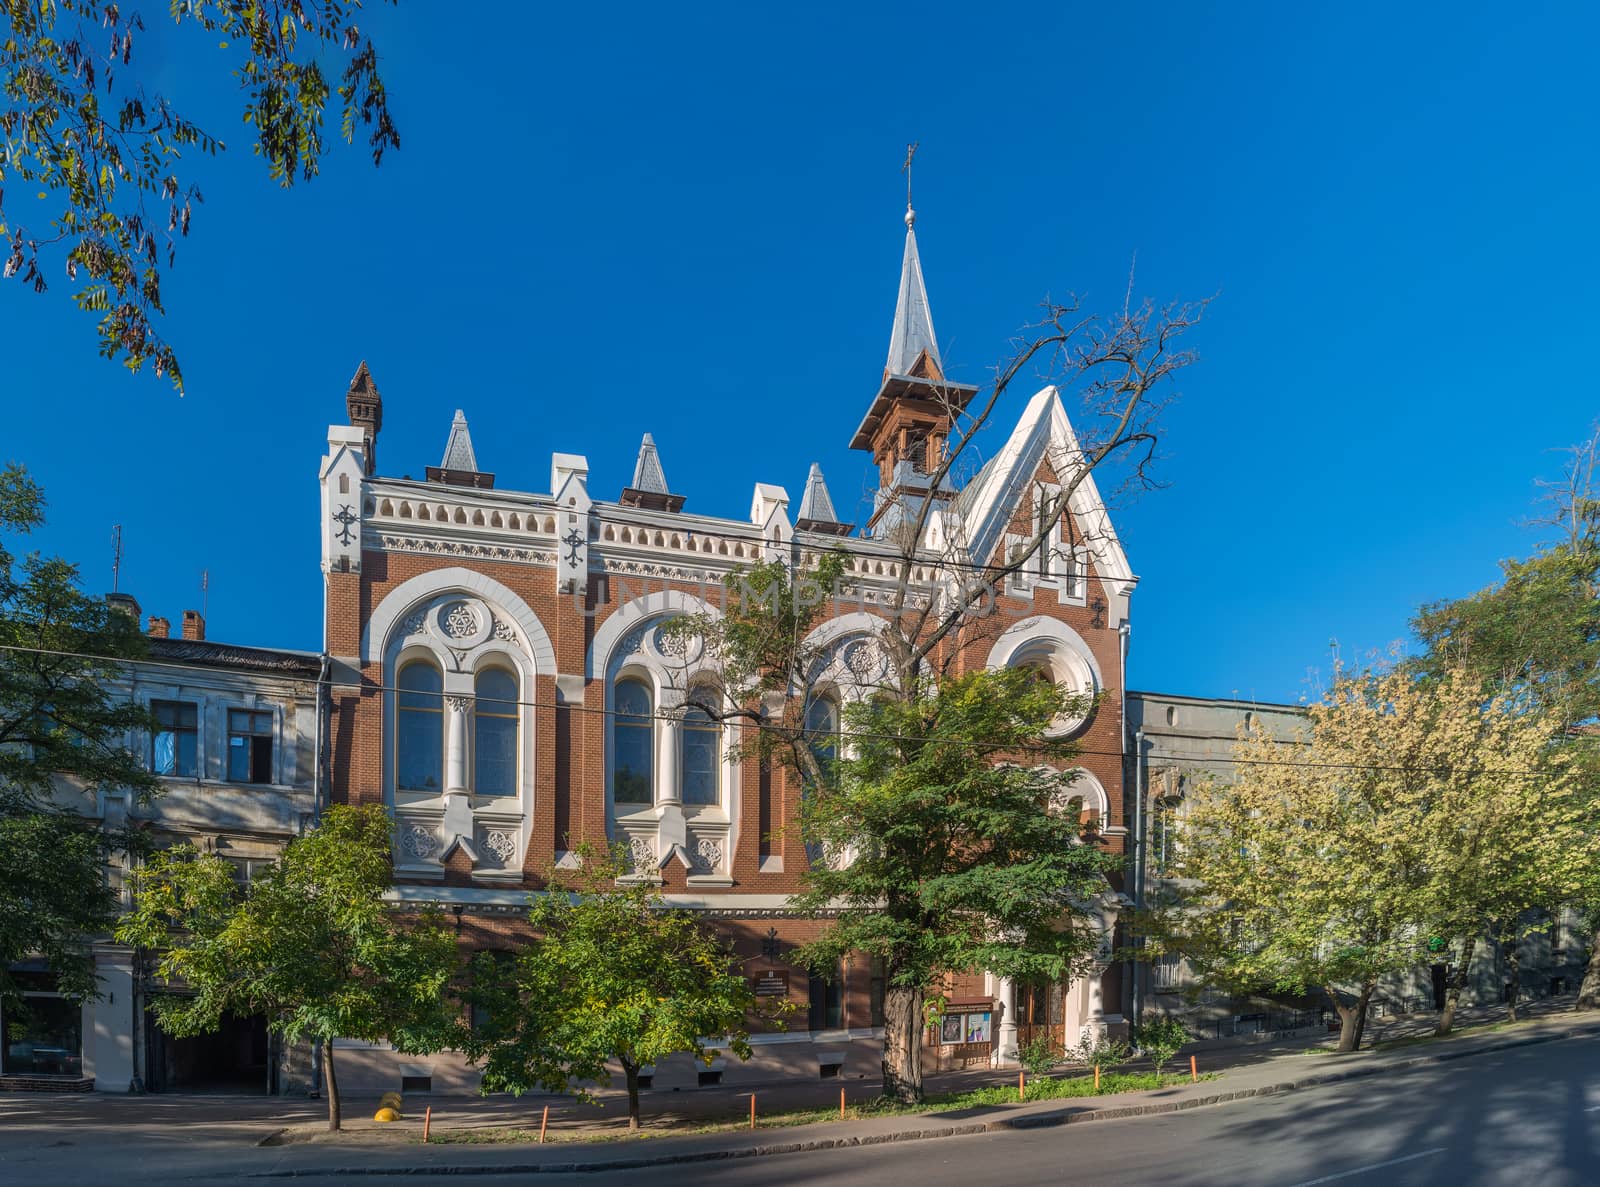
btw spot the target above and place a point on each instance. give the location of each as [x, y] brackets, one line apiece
[607, 220]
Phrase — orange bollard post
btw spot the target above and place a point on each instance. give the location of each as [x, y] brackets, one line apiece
[1194, 1070]
[1022, 1087]
[1097, 1079]
[544, 1121]
[752, 1110]
[841, 1104]
[427, 1123]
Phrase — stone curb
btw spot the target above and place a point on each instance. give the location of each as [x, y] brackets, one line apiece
[1033, 1121]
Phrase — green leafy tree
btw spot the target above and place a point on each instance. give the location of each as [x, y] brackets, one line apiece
[1160, 1037]
[63, 738]
[85, 130]
[1329, 863]
[1534, 636]
[613, 975]
[311, 944]
[945, 847]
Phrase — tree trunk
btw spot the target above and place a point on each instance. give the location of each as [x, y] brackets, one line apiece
[1511, 943]
[1361, 1016]
[1351, 1018]
[1458, 982]
[1589, 991]
[902, 1044]
[331, 1083]
[631, 1071]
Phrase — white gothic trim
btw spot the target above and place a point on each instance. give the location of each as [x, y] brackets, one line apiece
[408, 595]
[624, 619]
[1092, 791]
[1023, 638]
[1045, 432]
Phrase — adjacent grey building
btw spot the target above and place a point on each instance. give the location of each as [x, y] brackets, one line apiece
[237, 756]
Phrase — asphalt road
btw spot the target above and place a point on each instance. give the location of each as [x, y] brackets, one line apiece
[1527, 1115]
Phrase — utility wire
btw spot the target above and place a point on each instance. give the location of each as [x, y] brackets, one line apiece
[748, 724]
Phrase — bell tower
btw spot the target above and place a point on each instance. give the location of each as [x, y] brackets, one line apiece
[907, 426]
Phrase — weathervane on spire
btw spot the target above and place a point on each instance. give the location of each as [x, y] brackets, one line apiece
[911, 152]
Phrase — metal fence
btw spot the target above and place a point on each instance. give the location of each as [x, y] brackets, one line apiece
[1264, 1023]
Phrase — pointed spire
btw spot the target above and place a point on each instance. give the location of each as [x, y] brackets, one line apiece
[458, 452]
[647, 473]
[815, 503]
[816, 508]
[649, 487]
[460, 464]
[913, 322]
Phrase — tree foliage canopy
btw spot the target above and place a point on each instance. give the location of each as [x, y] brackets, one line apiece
[62, 736]
[612, 974]
[1406, 806]
[946, 845]
[311, 944]
[105, 154]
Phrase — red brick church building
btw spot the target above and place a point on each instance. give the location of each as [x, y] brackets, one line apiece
[501, 685]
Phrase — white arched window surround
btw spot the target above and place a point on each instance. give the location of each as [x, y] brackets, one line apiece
[460, 677]
[1085, 787]
[851, 663]
[1054, 647]
[630, 645]
[461, 622]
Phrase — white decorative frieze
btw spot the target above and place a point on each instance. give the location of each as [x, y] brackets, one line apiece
[488, 552]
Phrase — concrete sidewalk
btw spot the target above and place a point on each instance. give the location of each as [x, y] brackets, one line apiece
[358, 1153]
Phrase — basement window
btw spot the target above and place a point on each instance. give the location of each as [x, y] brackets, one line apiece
[410, 1084]
[710, 1079]
[249, 746]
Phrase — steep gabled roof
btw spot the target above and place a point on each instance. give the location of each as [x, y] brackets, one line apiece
[987, 505]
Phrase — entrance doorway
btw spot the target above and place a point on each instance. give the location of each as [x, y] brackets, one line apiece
[1041, 1014]
[237, 1057]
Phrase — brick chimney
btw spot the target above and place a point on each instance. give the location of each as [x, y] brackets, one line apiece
[194, 627]
[160, 628]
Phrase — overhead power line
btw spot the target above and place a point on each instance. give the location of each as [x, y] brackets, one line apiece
[365, 687]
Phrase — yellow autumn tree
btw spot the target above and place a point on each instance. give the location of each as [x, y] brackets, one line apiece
[1402, 807]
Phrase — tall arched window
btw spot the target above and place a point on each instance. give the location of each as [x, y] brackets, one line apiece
[632, 745]
[419, 728]
[822, 731]
[494, 742]
[822, 735]
[702, 758]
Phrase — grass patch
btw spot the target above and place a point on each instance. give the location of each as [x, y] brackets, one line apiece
[1041, 1089]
